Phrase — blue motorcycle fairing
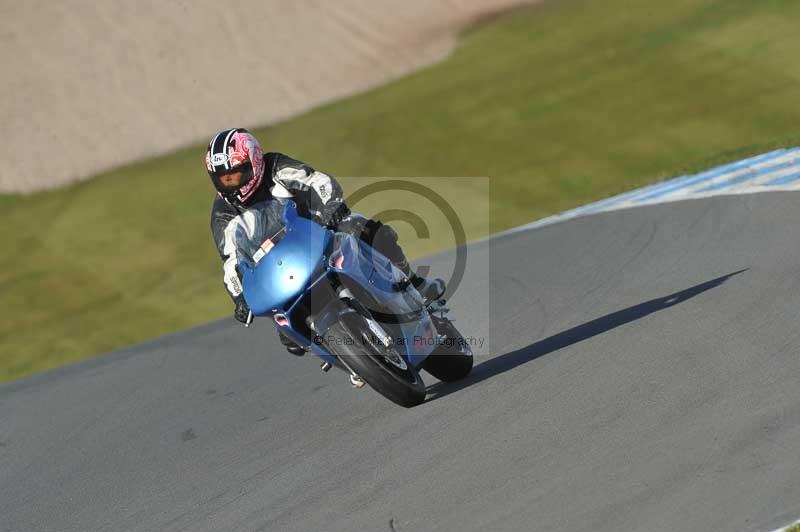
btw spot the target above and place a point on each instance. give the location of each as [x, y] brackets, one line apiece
[300, 260]
[366, 265]
[381, 279]
[284, 272]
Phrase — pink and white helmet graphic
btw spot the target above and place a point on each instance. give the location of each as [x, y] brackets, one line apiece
[231, 148]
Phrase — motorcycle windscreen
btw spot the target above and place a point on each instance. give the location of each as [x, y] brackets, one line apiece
[283, 273]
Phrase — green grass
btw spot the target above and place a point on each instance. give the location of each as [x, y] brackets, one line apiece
[560, 105]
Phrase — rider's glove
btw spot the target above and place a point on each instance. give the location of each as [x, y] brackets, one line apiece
[242, 312]
[333, 213]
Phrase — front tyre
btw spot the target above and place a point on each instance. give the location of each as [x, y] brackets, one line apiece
[380, 367]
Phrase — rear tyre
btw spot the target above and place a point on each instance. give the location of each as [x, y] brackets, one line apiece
[350, 340]
[452, 360]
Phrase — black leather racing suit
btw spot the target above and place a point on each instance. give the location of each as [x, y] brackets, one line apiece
[238, 230]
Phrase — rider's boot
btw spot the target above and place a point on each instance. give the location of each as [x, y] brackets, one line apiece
[290, 346]
[430, 289]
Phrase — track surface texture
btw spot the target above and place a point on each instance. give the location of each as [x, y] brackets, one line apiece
[643, 376]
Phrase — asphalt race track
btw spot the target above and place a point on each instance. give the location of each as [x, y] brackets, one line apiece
[643, 376]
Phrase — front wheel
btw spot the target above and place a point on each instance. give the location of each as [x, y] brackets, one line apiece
[380, 367]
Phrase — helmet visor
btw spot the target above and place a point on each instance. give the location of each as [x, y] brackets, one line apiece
[229, 183]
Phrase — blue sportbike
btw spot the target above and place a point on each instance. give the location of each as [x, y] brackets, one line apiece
[343, 301]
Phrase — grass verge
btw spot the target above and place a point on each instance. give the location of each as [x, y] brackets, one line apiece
[560, 105]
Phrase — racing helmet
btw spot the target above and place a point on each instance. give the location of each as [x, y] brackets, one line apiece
[232, 151]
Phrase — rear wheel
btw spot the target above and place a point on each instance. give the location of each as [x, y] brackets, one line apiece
[452, 359]
[381, 367]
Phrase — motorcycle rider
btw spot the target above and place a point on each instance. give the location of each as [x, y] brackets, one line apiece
[251, 186]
